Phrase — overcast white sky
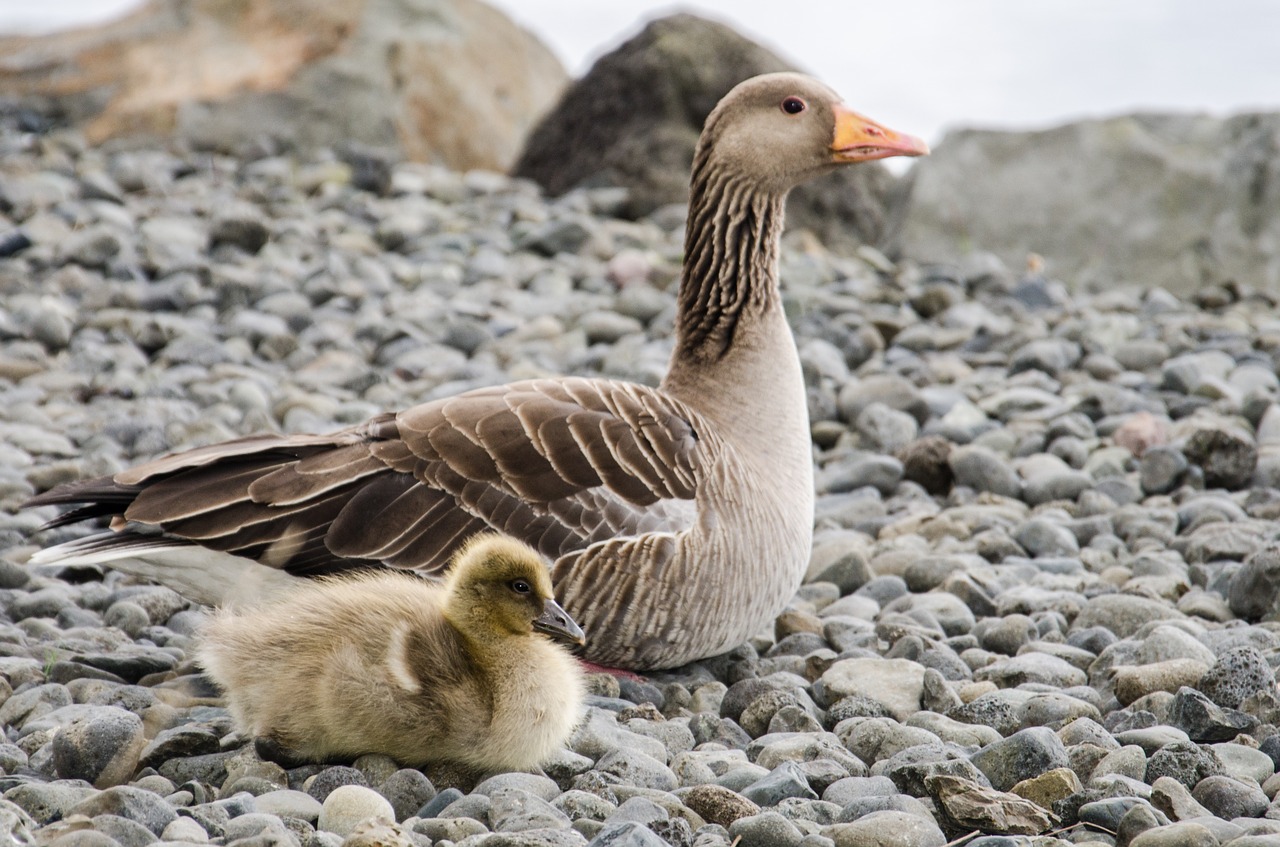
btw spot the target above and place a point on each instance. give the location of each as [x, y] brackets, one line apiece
[924, 65]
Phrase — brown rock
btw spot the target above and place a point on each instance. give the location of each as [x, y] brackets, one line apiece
[1049, 787]
[719, 805]
[450, 81]
[972, 806]
[924, 461]
[1134, 681]
[634, 118]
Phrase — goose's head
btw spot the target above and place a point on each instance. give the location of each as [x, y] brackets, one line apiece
[499, 586]
[780, 129]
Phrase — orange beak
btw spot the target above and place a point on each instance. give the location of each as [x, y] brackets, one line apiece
[860, 139]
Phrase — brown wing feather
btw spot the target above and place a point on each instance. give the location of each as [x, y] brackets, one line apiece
[558, 463]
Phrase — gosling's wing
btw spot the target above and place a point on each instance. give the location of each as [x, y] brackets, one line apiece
[557, 463]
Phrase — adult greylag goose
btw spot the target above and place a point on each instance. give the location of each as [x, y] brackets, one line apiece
[386, 662]
[678, 518]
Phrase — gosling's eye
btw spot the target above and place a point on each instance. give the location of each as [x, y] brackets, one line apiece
[520, 586]
[794, 105]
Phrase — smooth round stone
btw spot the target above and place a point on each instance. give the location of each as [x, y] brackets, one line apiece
[536, 784]
[1129, 761]
[766, 828]
[1122, 614]
[1134, 682]
[884, 429]
[635, 768]
[953, 731]
[1230, 798]
[1007, 634]
[1025, 668]
[185, 829]
[1173, 642]
[1247, 764]
[1182, 834]
[286, 803]
[1153, 738]
[257, 825]
[349, 805]
[874, 739]
[408, 790]
[888, 829]
[896, 684]
[983, 469]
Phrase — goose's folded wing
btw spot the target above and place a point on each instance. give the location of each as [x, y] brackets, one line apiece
[557, 463]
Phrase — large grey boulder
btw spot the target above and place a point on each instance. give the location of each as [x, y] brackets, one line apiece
[1178, 201]
[634, 118]
[454, 82]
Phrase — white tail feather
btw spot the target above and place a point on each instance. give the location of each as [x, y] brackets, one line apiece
[206, 576]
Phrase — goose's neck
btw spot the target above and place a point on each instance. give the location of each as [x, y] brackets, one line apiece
[730, 277]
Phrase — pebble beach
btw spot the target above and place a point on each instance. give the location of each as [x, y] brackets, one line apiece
[1040, 607]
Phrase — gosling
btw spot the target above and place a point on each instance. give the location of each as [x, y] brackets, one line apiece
[389, 663]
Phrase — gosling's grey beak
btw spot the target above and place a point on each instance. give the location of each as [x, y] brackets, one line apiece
[555, 621]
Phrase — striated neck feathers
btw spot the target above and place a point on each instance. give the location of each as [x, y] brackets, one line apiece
[730, 258]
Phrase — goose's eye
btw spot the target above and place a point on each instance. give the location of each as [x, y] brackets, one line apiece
[793, 105]
[520, 586]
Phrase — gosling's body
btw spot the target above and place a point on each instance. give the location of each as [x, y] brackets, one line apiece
[390, 663]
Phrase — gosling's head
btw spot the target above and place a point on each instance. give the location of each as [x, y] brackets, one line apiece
[499, 586]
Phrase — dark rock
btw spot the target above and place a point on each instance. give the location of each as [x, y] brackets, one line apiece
[335, 777]
[1204, 721]
[1161, 469]
[179, 742]
[210, 768]
[407, 791]
[130, 665]
[924, 462]
[437, 804]
[911, 767]
[248, 232]
[1254, 588]
[101, 748]
[1238, 673]
[1109, 812]
[1023, 755]
[1230, 798]
[1227, 459]
[1183, 761]
[786, 780]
